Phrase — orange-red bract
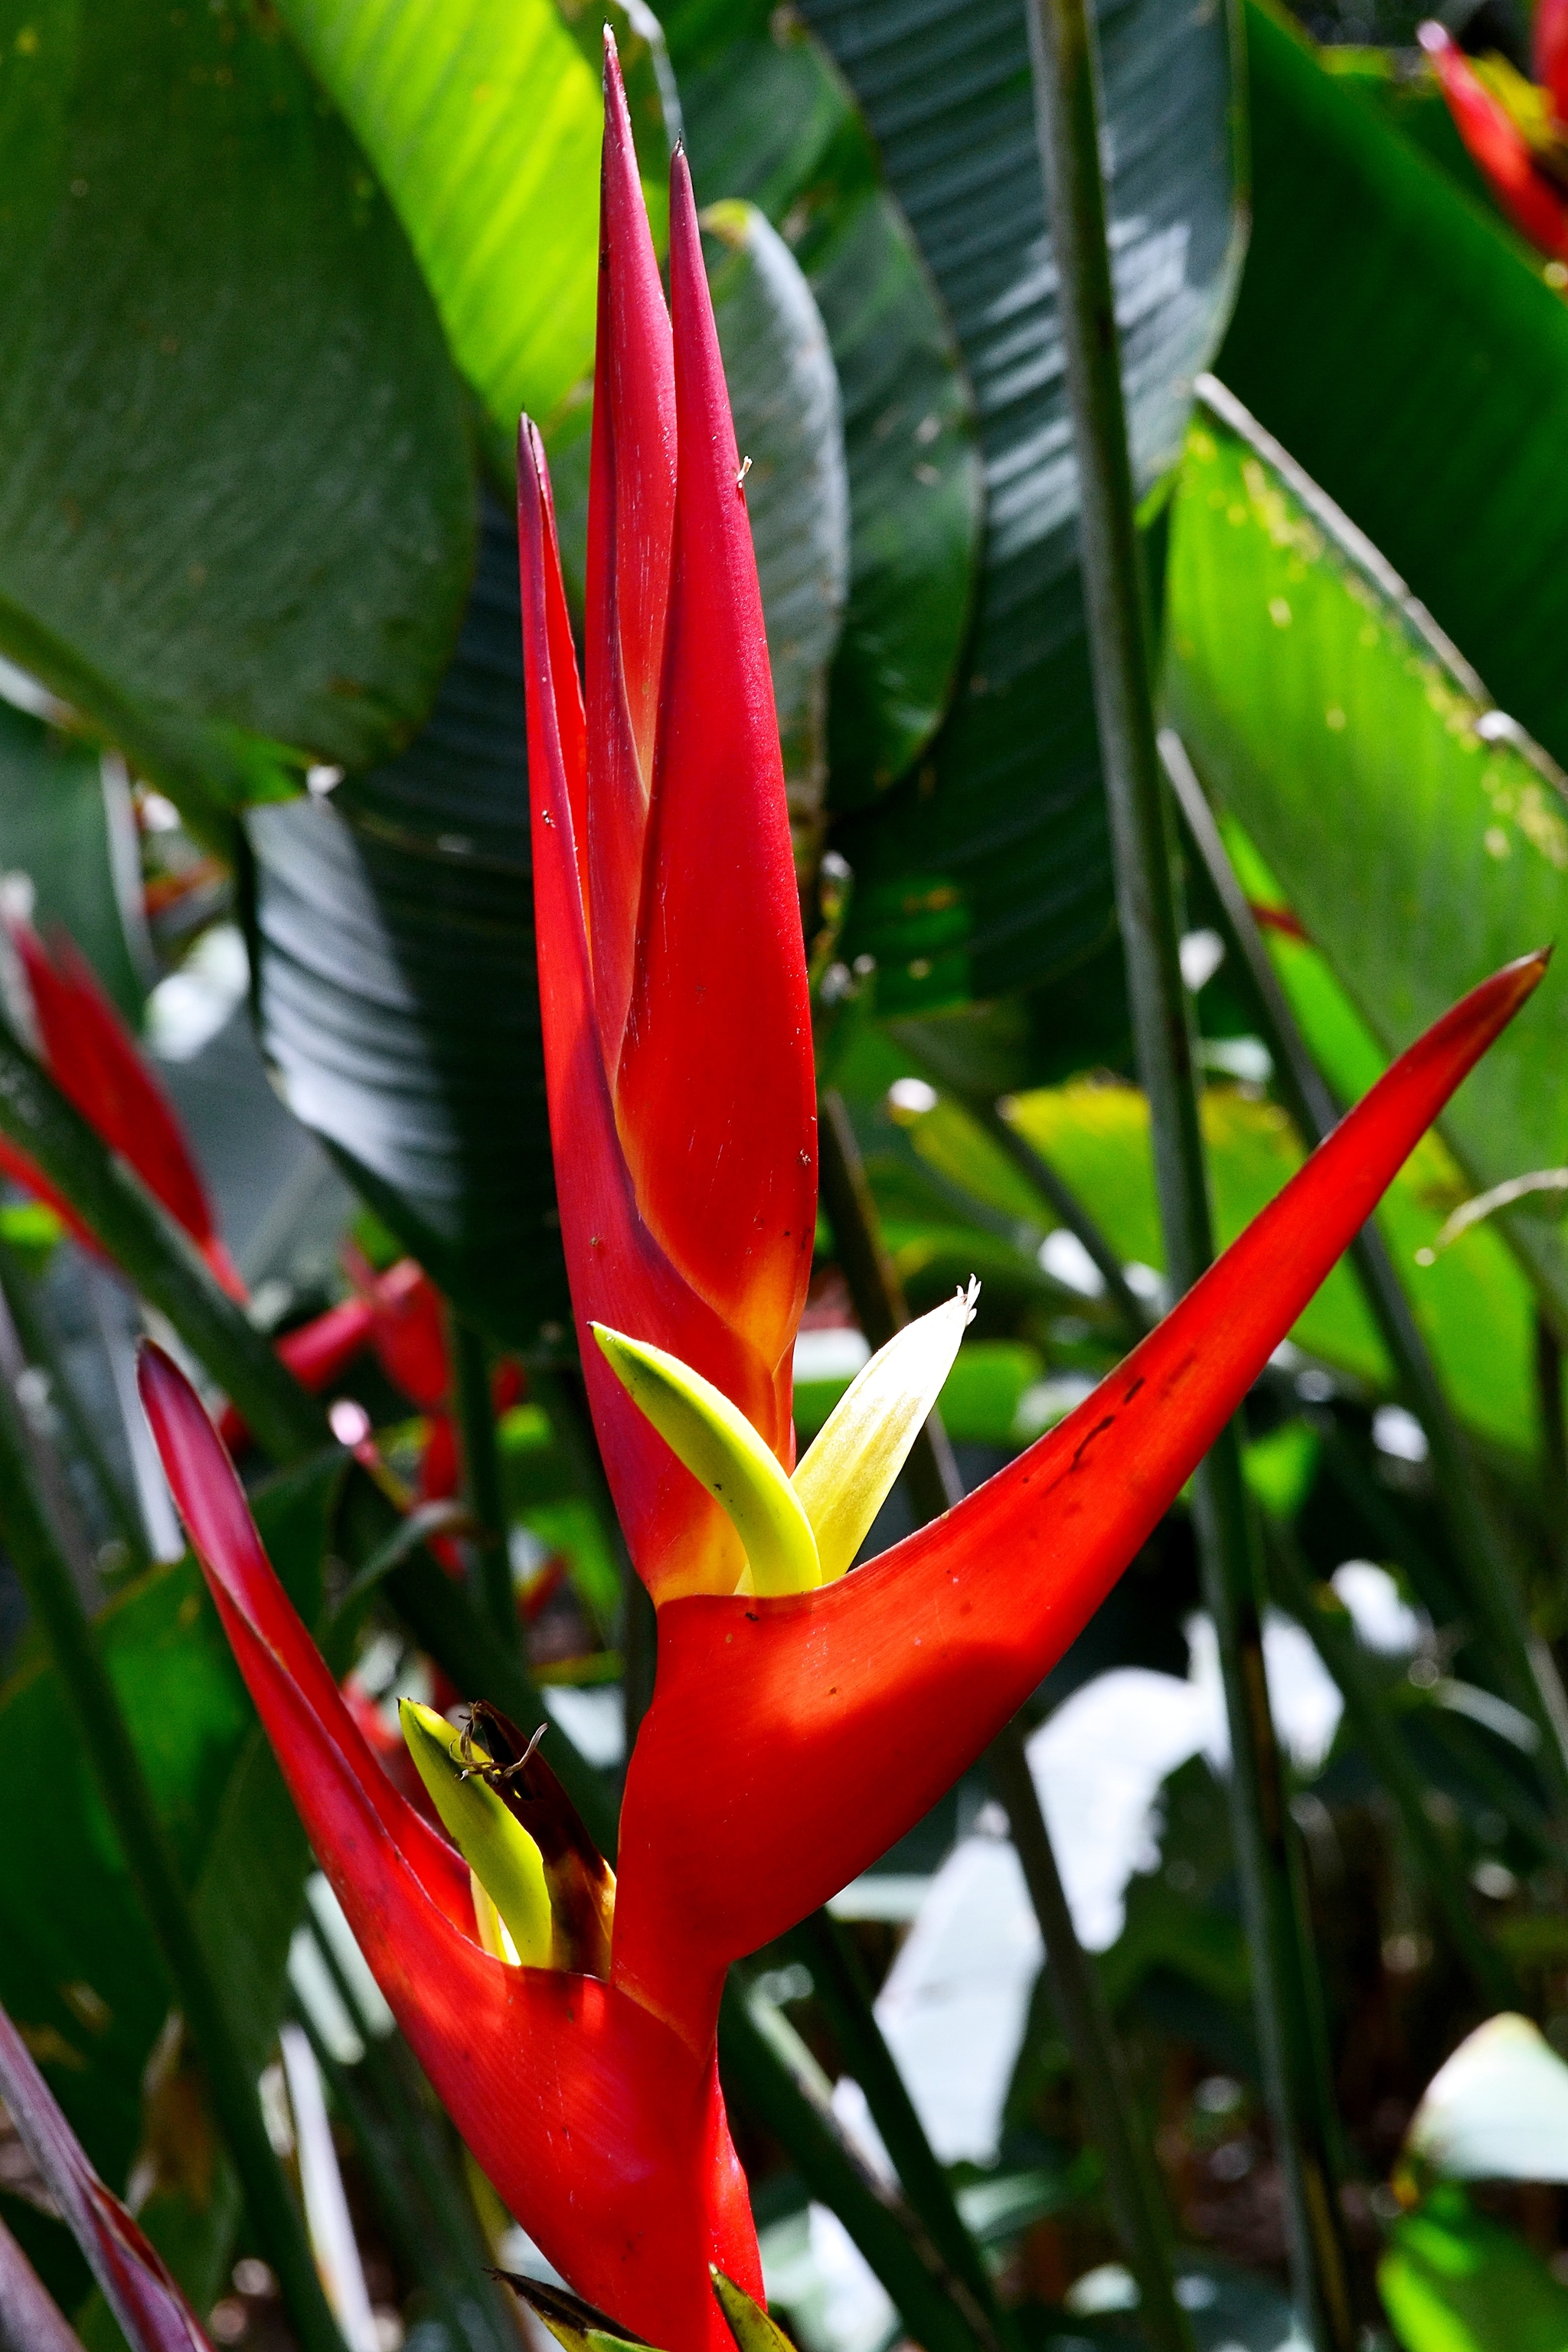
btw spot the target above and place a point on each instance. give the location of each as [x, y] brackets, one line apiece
[672, 973]
[602, 2130]
[790, 1741]
[93, 1060]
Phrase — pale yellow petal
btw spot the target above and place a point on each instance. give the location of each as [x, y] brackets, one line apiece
[721, 1448]
[847, 1475]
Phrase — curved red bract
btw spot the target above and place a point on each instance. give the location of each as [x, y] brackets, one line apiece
[791, 1742]
[677, 1023]
[598, 2126]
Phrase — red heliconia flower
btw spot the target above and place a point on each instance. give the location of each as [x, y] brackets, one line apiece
[92, 1058]
[1515, 131]
[599, 2127]
[672, 973]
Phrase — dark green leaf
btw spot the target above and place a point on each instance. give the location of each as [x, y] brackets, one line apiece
[991, 867]
[66, 822]
[785, 396]
[239, 504]
[1409, 354]
[1419, 839]
[769, 118]
[392, 935]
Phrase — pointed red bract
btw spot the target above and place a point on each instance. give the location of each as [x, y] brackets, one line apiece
[137, 2284]
[684, 1128]
[601, 2129]
[679, 1539]
[716, 1093]
[631, 511]
[1499, 147]
[93, 1060]
[791, 1742]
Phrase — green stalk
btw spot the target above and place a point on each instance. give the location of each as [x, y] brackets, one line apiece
[482, 1479]
[51, 1590]
[1335, 1637]
[936, 2308]
[840, 1987]
[1529, 1673]
[1287, 1994]
[1136, 2192]
[1553, 1443]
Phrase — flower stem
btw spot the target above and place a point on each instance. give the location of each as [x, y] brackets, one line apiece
[1286, 1991]
[29, 1537]
[1136, 2195]
[482, 1479]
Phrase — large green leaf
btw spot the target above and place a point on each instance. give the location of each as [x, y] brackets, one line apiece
[66, 822]
[1407, 350]
[1420, 840]
[785, 396]
[483, 118]
[768, 118]
[1474, 1308]
[394, 958]
[1454, 2280]
[990, 868]
[237, 501]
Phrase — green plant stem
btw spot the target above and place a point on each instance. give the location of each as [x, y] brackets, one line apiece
[1133, 2180]
[482, 1479]
[1136, 2193]
[841, 1990]
[117, 1772]
[1333, 1635]
[937, 2309]
[1554, 1445]
[1528, 1672]
[1287, 1994]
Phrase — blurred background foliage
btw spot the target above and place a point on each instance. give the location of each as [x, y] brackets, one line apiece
[278, 278]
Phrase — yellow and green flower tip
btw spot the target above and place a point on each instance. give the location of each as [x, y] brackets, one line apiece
[720, 1449]
[803, 1531]
[504, 1859]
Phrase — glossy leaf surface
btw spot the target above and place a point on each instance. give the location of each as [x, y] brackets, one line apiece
[66, 822]
[993, 870]
[392, 937]
[482, 120]
[1414, 835]
[1392, 333]
[286, 556]
[1455, 2281]
[769, 118]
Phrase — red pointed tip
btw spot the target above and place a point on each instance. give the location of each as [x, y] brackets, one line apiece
[1498, 146]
